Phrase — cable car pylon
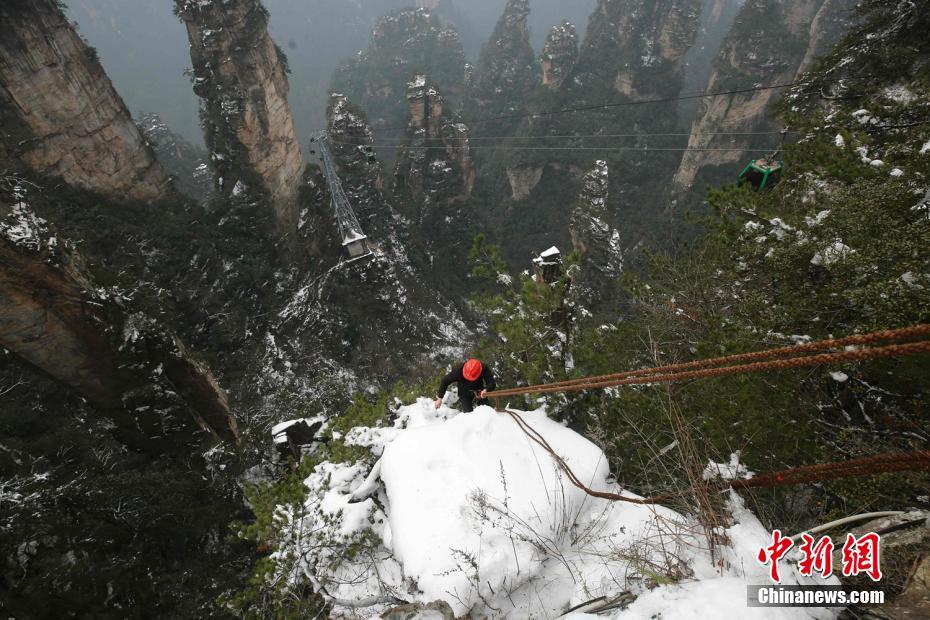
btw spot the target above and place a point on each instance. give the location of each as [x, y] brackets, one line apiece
[354, 240]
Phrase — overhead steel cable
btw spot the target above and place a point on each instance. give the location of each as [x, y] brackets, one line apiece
[640, 134]
[517, 147]
[851, 348]
[630, 102]
[617, 104]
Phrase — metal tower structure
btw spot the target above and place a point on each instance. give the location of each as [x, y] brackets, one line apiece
[353, 239]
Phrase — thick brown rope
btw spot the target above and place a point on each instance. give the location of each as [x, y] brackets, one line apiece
[665, 374]
[881, 463]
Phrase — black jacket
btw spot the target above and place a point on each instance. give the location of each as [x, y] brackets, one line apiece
[468, 390]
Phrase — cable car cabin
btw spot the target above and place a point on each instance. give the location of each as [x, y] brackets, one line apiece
[356, 246]
[548, 266]
[761, 173]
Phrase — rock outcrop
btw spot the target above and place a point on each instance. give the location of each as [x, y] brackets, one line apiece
[435, 167]
[59, 113]
[559, 54]
[507, 69]
[523, 179]
[633, 50]
[185, 162]
[905, 564]
[53, 316]
[375, 313]
[637, 48]
[591, 234]
[437, 610]
[241, 75]
[770, 43]
[360, 171]
[403, 43]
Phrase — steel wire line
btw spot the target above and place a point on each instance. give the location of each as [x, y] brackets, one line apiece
[887, 335]
[877, 464]
[619, 104]
[640, 134]
[893, 350]
[518, 147]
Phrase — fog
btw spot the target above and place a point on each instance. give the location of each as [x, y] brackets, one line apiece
[144, 47]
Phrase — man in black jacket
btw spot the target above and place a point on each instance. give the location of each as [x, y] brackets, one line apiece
[473, 379]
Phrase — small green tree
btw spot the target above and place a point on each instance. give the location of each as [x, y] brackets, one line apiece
[532, 324]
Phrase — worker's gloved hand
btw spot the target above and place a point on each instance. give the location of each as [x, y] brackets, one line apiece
[438, 403]
[483, 394]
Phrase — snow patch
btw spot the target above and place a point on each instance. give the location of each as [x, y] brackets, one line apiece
[818, 219]
[734, 470]
[833, 253]
[899, 94]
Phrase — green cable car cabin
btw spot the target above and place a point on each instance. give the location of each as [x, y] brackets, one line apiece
[763, 172]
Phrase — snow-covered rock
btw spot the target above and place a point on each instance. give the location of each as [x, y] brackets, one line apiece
[472, 512]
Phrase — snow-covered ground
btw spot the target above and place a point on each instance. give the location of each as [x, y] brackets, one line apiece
[465, 508]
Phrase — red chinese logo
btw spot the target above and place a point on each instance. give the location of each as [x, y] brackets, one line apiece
[861, 555]
[817, 557]
[774, 552]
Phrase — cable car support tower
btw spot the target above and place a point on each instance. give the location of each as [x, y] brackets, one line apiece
[354, 240]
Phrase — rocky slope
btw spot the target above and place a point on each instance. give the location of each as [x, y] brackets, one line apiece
[115, 497]
[768, 44]
[59, 113]
[241, 75]
[56, 318]
[345, 326]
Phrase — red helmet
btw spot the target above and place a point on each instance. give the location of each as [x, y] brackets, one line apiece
[472, 369]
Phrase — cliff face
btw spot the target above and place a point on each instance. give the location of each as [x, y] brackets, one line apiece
[770, 43]
[507, 69]
[559, 54]
[53, 316]
[435, 167]
[59, 113]
[241, 76]
[637, 48]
